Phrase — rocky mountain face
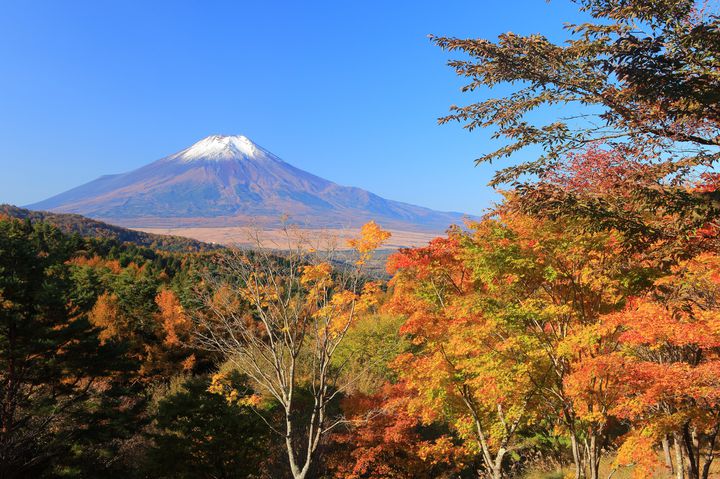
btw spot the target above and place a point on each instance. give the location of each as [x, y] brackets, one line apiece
[231, 181]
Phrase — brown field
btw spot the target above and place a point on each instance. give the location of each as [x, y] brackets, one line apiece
[243, 236]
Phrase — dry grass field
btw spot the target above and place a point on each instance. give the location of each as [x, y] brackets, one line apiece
[273, 238]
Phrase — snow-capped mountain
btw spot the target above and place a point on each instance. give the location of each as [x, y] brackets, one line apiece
[231, 181]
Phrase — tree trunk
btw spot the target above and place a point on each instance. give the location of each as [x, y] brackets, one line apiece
[690, 441]
[666, 451]
[576, 455]
[497, 472]
[706, 469]
[697, 446]
[710, 452]
[593, 453]
[679, 459]
[295, 468]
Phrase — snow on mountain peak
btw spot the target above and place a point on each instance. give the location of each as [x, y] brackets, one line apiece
[219, 148]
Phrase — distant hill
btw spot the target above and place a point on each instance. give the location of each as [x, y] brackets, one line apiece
[73, 223]
[228, 181]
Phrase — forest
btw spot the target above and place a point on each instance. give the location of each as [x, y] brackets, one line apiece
[571, 332]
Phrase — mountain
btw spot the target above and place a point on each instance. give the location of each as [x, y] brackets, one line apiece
[76, 224]
[230, 181]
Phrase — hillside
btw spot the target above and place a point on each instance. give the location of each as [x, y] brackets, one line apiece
[77, 224]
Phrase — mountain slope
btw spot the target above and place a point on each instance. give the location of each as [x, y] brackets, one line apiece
[228, 181]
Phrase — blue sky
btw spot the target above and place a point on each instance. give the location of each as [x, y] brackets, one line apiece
[347, 90]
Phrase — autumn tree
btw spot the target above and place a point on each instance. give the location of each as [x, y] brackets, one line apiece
[669, 342]
[609, 208]
[172, 353]
[667, 225]
[468, 365]
[279, 317]
[643, 75]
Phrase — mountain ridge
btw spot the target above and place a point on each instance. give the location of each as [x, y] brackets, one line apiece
[70, 224]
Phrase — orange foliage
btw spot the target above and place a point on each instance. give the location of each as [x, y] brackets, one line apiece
[106, 316]
[386, 440]
[111, 265]
[176, 325]
[174, 328]
[637, 451]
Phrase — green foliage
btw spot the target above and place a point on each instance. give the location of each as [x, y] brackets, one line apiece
[648, 71]
[369, 347]
[199, 434]
[51, 360]
[73, 395]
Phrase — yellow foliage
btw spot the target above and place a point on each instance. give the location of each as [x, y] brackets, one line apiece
[371, 238]
[317, 274]
[220, 384]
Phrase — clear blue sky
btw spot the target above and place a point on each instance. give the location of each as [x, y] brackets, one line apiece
[347, 90]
